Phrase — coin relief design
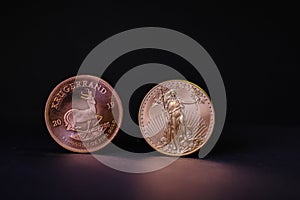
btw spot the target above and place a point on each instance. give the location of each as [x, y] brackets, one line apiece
[176, 117]
[83, 113]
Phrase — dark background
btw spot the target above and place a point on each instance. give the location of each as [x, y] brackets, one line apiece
[255, 47]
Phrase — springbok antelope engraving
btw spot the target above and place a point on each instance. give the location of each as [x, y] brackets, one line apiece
[75, 116]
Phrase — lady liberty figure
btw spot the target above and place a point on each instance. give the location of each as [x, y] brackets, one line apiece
[176, 123]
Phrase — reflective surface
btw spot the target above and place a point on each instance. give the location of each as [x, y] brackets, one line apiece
[34, 166]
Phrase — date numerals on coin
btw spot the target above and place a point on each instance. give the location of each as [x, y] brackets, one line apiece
[110, 105]
[56, 122]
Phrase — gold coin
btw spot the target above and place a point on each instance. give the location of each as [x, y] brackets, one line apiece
[83, 113]
[176, 117]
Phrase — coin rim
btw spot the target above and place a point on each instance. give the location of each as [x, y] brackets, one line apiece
[213, 119]
[47, 110]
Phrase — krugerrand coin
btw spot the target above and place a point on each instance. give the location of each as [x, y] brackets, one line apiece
[176, 117]
[83, 113]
